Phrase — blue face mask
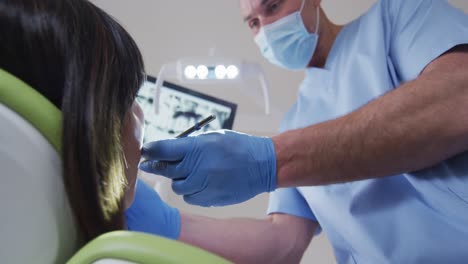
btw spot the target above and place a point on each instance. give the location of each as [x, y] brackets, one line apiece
[287, 43]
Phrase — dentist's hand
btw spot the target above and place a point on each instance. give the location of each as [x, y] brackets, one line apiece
[214, 169]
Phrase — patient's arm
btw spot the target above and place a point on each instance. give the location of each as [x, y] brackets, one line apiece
[277, 239]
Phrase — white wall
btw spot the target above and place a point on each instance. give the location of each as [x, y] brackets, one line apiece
[166, 30]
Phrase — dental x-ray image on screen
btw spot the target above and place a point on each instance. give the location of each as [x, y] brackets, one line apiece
[179, 109]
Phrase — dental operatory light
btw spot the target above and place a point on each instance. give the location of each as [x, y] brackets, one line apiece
[212, 70]
[219, 72]
[190, 72]
[202, 72]
[232, 71]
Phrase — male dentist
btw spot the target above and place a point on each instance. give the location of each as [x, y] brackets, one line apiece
[374, 152]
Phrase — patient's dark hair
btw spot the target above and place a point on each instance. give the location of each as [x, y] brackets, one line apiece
[86, 64]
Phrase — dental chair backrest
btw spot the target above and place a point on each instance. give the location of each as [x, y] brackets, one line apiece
[36, 222]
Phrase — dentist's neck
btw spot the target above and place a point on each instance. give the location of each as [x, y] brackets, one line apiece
[327, 36]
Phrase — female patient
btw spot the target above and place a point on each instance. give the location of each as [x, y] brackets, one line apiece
[88, 66]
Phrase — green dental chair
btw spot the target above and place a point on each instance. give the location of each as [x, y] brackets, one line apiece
[36, 222]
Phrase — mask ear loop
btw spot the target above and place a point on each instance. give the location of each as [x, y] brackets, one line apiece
[302, 6]
[317, 23]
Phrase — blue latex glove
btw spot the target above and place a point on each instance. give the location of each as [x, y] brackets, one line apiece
[214, 169]
[150, 214]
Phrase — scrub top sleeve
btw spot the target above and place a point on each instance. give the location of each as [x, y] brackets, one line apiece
[421, 31]
[290, 201]
[150, 214]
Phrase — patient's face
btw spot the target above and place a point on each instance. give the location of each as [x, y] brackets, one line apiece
[132, 135]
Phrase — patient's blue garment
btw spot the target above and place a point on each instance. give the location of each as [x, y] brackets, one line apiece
[150, 214]
[415, 217]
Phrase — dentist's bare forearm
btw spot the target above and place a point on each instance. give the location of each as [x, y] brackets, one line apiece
[278, 239]
[413, 127]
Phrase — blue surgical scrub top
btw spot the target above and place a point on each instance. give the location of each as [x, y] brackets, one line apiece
[150, 214]
[417, 217]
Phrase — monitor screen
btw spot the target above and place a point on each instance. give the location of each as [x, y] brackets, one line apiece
[179, 109]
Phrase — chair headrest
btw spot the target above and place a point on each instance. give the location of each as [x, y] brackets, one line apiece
[37, 223]
[33, 107]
